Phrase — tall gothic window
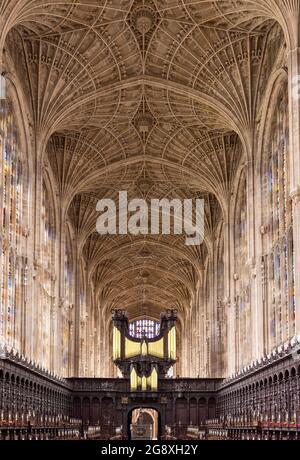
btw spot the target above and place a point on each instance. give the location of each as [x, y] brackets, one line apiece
[145, 327]
[278, 258]
[242, 294]
[69, 299]
[221, 323]
[48, 243]
[69, 270]
[13, 233]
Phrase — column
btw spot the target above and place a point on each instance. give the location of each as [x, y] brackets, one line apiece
[76, 328]
[294, 128]
[228, 291]
[255, 317]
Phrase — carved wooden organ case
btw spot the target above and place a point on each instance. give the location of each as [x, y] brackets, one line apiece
[144, 360]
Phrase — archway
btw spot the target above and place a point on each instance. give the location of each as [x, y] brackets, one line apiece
[144, 424]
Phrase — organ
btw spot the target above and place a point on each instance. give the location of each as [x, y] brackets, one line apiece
[144, 360]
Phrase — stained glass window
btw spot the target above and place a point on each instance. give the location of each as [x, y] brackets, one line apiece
[144, 327]
[242, 293]
[47, 279]
[278, 255]
[13, 234]
[69, 271]
[221, 323]
[68, 304]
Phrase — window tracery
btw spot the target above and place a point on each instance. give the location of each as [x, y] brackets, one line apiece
[48, 277]
[14, 197]
[242, 294]
[68, 304]
[144, 327]
[278, 221]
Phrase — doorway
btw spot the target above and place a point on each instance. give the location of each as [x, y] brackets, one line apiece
[144, 424]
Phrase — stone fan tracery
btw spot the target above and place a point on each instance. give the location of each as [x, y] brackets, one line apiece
[158, 98]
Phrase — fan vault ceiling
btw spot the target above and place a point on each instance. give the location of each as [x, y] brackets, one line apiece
[154, 97]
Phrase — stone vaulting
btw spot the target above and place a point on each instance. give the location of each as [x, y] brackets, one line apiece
[162, 99]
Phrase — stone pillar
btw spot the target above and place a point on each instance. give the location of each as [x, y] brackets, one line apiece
[76, 333]
[228, 291]
[294, 129]
[253, 236]
[39, 147]
[199, 321]
[214, 351]
[63, 310]
[53, 336]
